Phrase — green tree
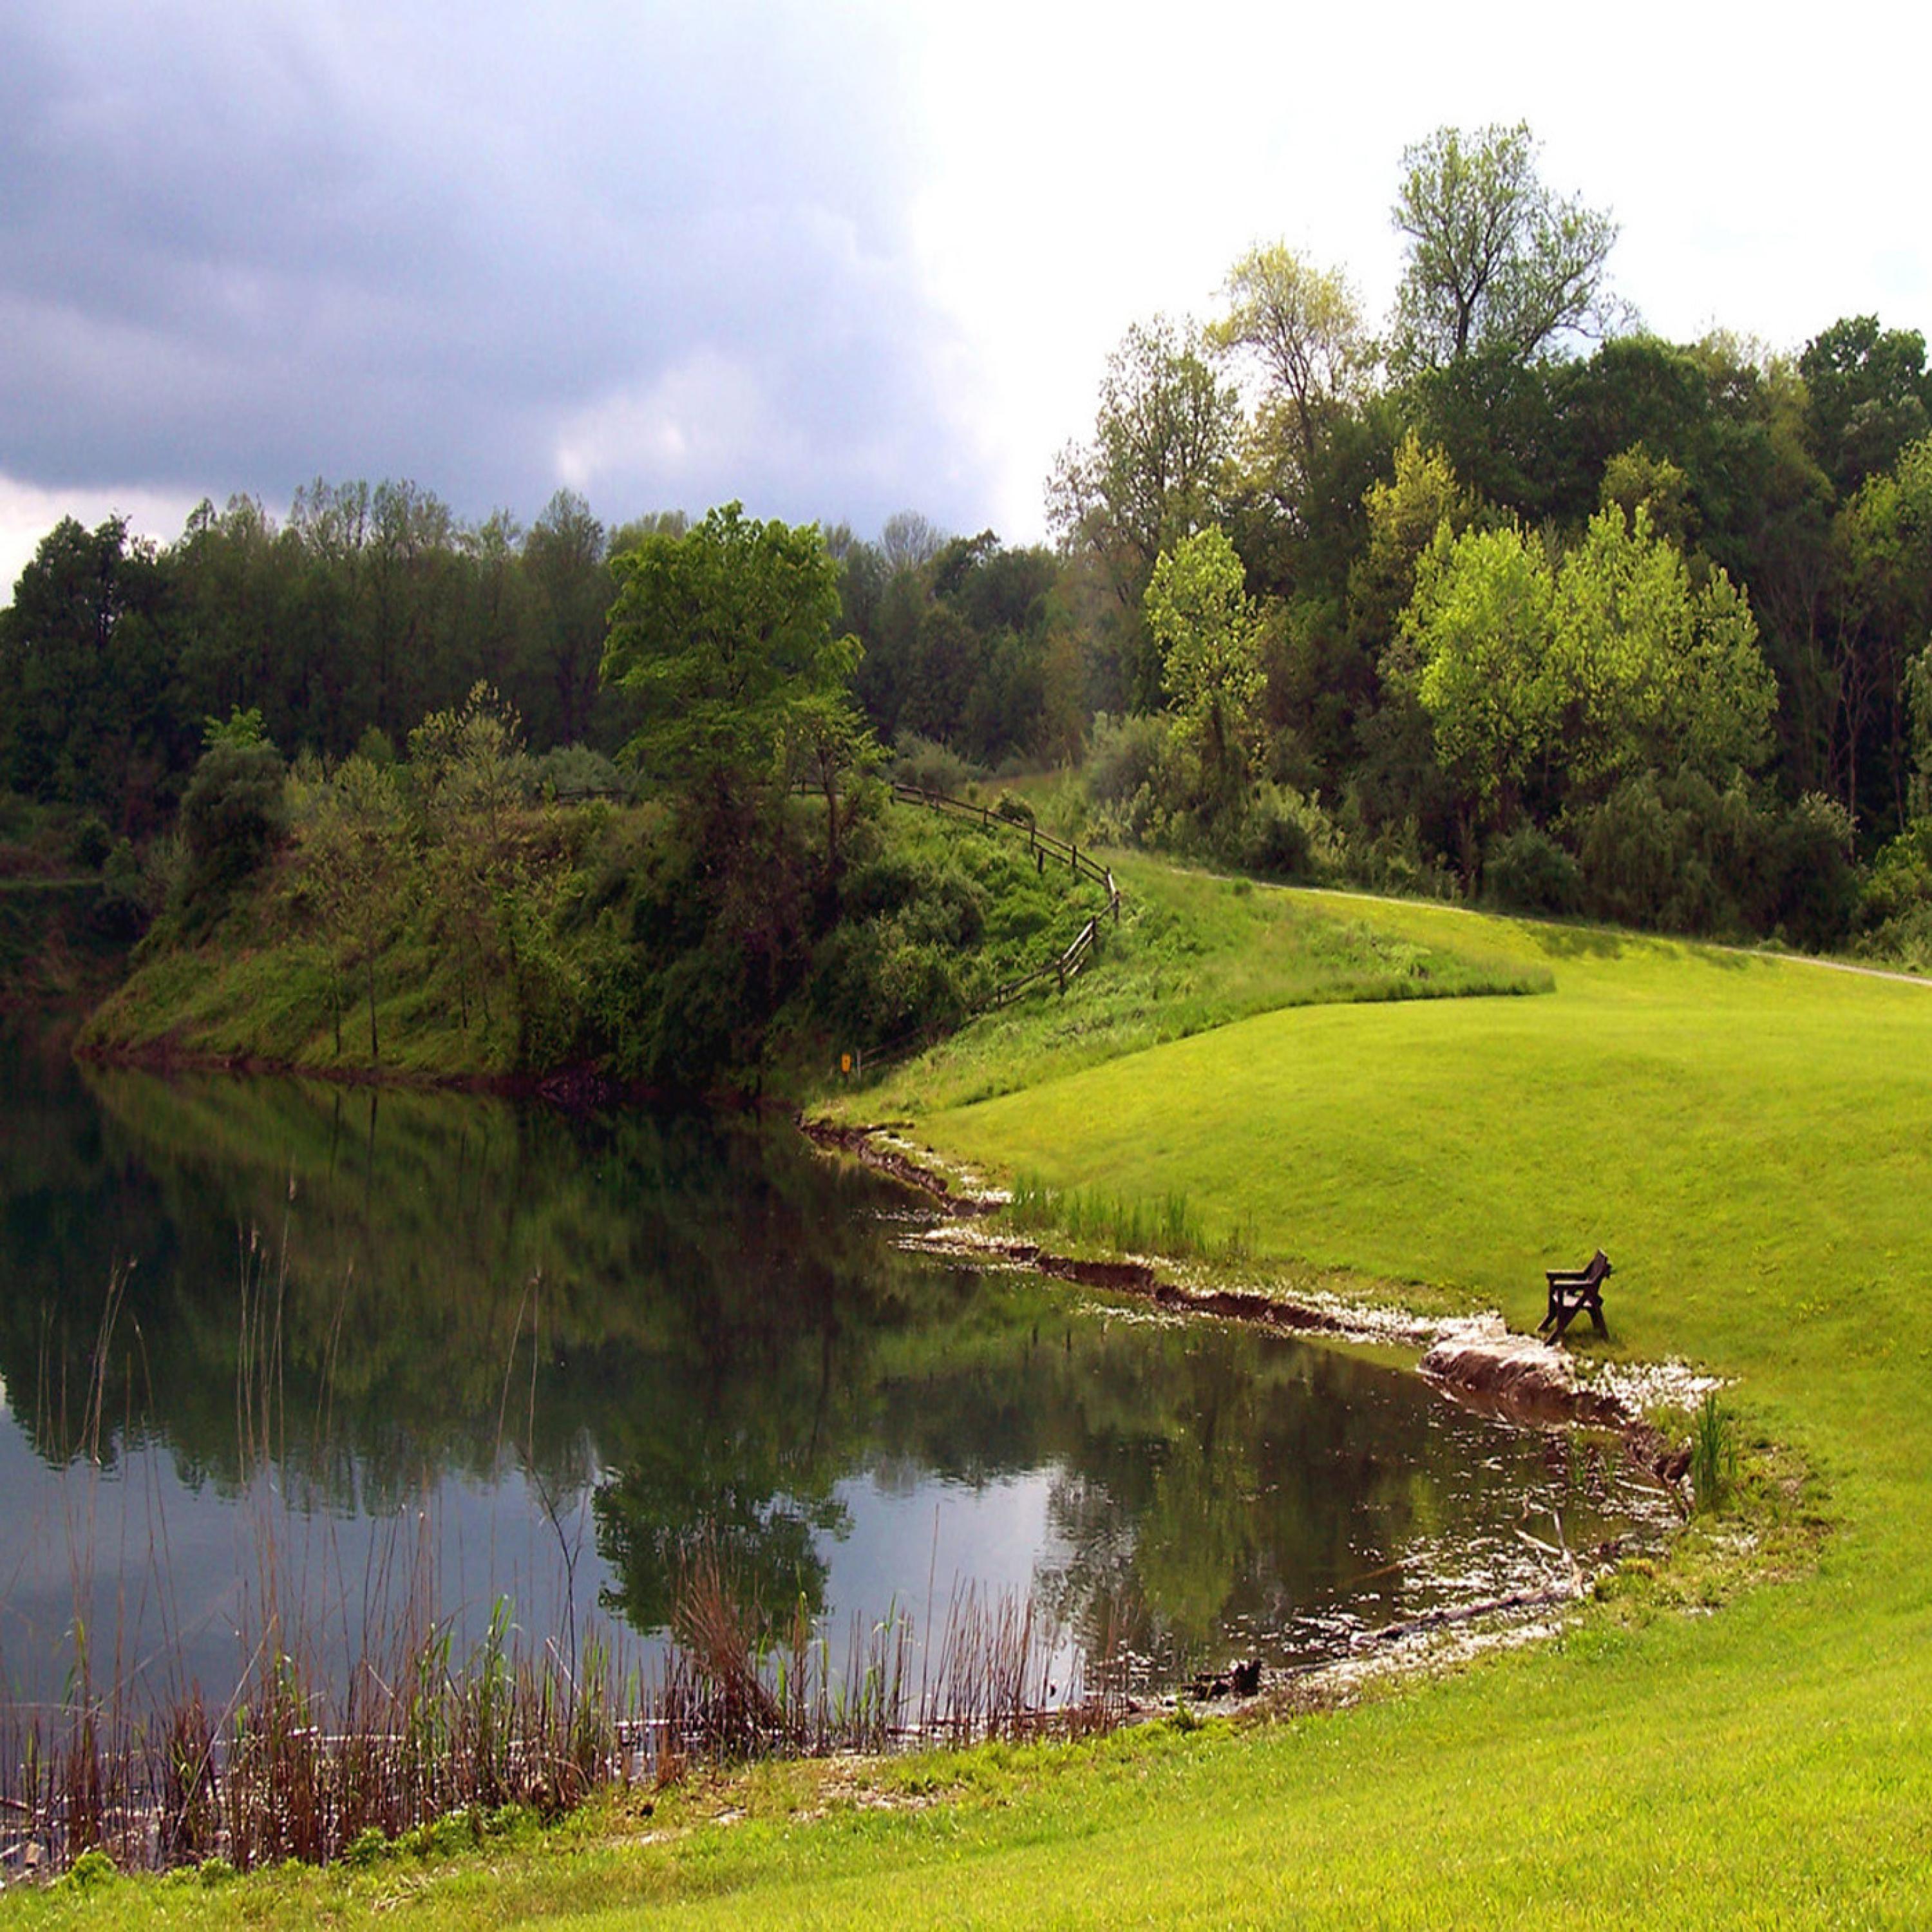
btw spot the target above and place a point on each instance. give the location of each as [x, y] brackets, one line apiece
[563, 559]
[1406, 516]
[353, 851]
[1208, 633]
[1868, 394]
[721, 635]
[91, 707]
[1882, 542]
[1301, 328]
[1605, 667]
[1153, 474]
[1482, 621]
[471, 776]
[233, 814]
[1495, 259]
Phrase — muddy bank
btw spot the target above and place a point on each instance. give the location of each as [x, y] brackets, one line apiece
[1475, 1360]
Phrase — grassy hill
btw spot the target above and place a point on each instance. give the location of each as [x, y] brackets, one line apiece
[1747, 1136]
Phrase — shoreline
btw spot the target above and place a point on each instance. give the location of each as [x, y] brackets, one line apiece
[1473, 1360]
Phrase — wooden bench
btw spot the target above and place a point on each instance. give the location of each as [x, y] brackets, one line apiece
[1573, 1290]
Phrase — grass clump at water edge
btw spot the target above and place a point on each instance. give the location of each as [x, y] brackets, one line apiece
[1168, 1223]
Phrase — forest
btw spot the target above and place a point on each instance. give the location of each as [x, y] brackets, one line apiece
[1499, 597]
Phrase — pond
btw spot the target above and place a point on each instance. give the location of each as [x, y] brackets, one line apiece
[340, 1353]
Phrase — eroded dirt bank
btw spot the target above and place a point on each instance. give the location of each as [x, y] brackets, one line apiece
[1475, 1360]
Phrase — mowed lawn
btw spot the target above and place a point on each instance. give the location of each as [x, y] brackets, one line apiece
[1752, 1141]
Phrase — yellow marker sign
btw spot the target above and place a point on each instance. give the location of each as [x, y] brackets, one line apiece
[844, 1063]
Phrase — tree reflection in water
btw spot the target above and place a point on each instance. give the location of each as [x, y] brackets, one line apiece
[705, 1331]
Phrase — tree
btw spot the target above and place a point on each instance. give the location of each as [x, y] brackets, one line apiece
[471, 777]
[1152, 475]
[90, 705]
[1869, 395]
[1406, 515]
[1607, 666]
[1209, 634]
[1496, 260]
[232, 814]
[352, 851]
[1302, 327]
[563, 559]
[1482, 620]
[909, 540]
[723, 634]
[1882, 542]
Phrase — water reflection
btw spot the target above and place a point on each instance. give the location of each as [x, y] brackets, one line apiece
[568, 1346]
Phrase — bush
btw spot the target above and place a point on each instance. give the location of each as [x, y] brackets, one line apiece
[233, 815]
[1126, 756]
[91, 844]
[919, 761]
[1286, 835]
[1894, 905]
[1818, 891]
[1529, 872]
[574, 772]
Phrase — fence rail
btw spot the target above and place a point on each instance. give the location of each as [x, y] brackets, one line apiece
[1055, 972]
[1042, 844]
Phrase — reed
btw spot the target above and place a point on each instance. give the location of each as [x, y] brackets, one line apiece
[1168, 1223]
[339, 1734]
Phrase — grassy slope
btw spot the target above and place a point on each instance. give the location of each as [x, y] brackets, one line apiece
[1747, 1137]
[1190, 952]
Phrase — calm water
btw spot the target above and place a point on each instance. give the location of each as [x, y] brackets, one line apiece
[273, 1343]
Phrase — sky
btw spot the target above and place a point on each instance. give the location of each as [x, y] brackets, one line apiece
[834, 260]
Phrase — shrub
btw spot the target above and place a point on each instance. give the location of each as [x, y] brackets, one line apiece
[1287, 835]
[1818, 886]
[573, 772]
[91, 844]
[1127, 756]
[933, 767]
[1529, 872]
[233, 815]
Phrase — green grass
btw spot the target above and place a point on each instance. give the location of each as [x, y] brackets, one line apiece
[1748, 1137]
[1192, 951]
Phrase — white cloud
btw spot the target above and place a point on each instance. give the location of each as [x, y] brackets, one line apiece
[677, 441]
[28, 511]
[834, 259]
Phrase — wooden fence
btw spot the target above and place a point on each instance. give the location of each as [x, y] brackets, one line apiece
[1055, 972]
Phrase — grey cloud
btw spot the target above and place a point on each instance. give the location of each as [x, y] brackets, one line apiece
[242, 245]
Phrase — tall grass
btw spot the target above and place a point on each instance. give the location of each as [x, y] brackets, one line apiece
[332, 1733]
[1714, 1453]
[1166, 1224]
[289, 1768]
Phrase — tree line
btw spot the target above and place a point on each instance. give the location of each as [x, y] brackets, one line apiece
[1506, 596]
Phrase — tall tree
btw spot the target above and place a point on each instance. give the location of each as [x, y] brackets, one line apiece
[1607, 665]
[723, 634]
[1496, 260]
[91, 704]
[563, 557]
[1209, 634]
[1153, 474]
[1869, 395]
[1162, 435]
[1301, 327]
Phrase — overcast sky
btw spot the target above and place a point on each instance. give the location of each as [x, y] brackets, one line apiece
[834, 260]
